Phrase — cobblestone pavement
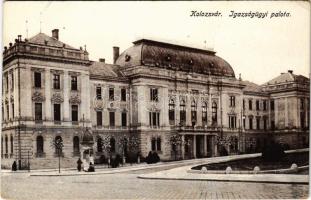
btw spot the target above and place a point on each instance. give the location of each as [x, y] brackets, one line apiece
[128, 186]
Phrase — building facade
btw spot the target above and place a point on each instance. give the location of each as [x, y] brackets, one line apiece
[181, 102]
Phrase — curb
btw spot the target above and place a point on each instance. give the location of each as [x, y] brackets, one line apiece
[226, 180]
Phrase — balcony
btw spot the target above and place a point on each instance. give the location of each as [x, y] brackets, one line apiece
[196, 128]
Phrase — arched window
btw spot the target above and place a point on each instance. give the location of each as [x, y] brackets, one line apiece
[171, 112]
[182, 112]
[193, 112]
[99, 144]
[58, 144]
[112, 145]
[204, 113]
[76, 145]
[6, 144]
[12, 144]
[214, 113]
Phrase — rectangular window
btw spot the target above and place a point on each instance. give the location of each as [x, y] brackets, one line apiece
[171, 116]
[272, 104]
[56, 81]
[74, 83]
[264, 105]
[12, 84]
[57, 112]
[13, 115]
[258, 123]
[7, 82]
[244, 122]
[38, 111]
[264, 123]
[302, 119]
[111, 94]
[250, 123]
[302, 104]
[250, 104]
[7, 112]
[153, 94]
[37, 76]
[243, 104]
[272, 125]
[74, 113]
[193, 116]
[123, 94]
[154, 119]
[232, 101]
[257, 105]
[99, 118]
[204, 117]
[232, 121]
[156, 144]
[98, 92]
[111, 119]
[123, 119]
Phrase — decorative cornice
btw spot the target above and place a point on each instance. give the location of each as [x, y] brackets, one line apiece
[71, 73]
[54, 71]
[37, 69]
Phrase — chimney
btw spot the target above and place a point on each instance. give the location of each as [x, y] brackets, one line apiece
[290, 71]
[115, 54]
[102, 60]
[55, 33]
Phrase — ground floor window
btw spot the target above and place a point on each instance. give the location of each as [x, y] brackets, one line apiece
[39, 145]
[76, 145]
[156, 144]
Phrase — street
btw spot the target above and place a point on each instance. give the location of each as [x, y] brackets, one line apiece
[126, 185]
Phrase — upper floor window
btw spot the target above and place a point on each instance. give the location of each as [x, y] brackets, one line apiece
[193, 112]
[153, 94]
[74, 83]
[7, 82]
[154, 119]
[56, 81]
[171, 112]
[257, 105]
[204, 113]
[112, 119]
[232, 121]
[99, 118]
[123, 94]
[214, 112]
[57, 115]
[98, 92]
[243, 104]
[250, 104]
[272, 104]
[250, 120]
[264, 105]
[265, 123]
[74, 113]
[182, 112]
[12, 83]
[38, 111]
[37, 77]
[111, 94]
[232, 101]
[123, 119]
[257, 123]
[302, 103]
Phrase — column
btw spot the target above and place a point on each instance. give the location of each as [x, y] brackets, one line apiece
[205, 146]
[183, 146]
[194, 146]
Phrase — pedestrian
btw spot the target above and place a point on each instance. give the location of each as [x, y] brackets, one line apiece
[79, 162]
[91, 168]
[14, 166]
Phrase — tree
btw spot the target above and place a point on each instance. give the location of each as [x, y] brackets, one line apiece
[175, 141]
[57, 143]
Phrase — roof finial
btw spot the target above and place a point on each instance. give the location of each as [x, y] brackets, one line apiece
[26, 28]
[40, 21]
[205, 44]
[240, 77]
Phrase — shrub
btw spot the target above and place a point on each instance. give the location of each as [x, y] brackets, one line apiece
[223, 151]
[152, 157]
[273, 152]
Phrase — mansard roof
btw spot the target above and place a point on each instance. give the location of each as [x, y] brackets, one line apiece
[251, 87]
[287, 77]
[176, 57]
[104, 70]
[43, 39]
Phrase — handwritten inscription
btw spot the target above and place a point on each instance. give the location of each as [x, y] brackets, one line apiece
[236, 15]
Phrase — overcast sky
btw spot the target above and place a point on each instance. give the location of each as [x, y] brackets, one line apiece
[259, 49]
